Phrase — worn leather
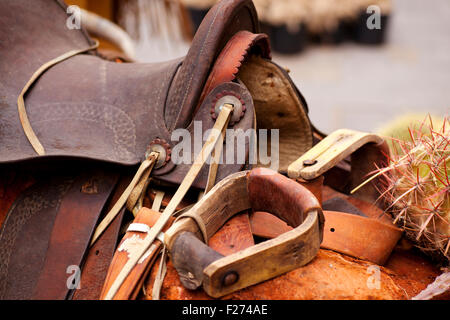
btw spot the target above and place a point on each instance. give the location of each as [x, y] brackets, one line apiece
[130, 288]
[232, 56]
[99, 255]
[25, 235]
[360, 237]
[88, 107]
[72, 229]
[48, 229]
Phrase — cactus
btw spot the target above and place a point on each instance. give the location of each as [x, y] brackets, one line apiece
[416, 187]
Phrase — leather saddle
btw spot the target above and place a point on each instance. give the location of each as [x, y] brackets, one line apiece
[98, 113]
[90, 108]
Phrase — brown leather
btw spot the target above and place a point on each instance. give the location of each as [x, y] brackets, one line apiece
[267, 226]
[137, 276]
[74, 224]
[360, 237]
[315, 186]
[13, 182]
[39, 225]
[235, 235]
[25, 235]
[99, 256]
[119, 108]
[232, 56]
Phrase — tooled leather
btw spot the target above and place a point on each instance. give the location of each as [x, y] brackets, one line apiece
[72, 229]
[232, 56]
[121, 127]
[94, 108]
[33, 201]
[123, 100]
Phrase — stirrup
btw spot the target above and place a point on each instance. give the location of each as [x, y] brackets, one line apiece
[261, 190]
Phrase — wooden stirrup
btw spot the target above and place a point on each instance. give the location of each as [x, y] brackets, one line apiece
[259, 189]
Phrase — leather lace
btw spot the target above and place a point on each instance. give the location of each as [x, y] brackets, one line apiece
[28, 130]
[210, 144]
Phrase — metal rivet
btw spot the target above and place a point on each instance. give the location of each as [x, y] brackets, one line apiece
[230, 278]
[238, 107]
[308, 163]
[162, 154]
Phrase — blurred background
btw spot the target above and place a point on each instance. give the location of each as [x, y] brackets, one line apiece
[352, 77]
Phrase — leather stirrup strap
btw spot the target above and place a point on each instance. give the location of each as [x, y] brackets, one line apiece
[364, 238]
[360, 237]
[209, 145]
[215, 159]
[28, 130]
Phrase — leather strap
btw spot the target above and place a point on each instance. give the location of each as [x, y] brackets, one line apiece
[360, 237]
[210, 143]
[157, 201]
[139, 190]
[130, 287]
[28, 130]
[329, 152]
[215, 158]
[74, 224]
[100, 255]
[143, 171]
